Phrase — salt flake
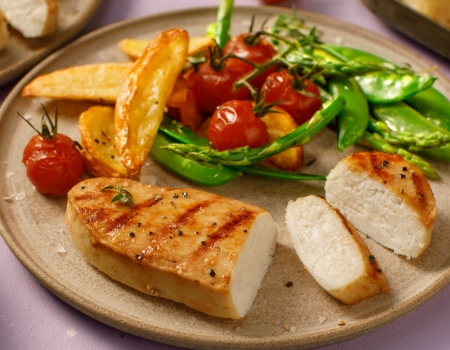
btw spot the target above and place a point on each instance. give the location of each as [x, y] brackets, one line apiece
[60, 249]
[322, 319]
[9, 174]
[20, 196]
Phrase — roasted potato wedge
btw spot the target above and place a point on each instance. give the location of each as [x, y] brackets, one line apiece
[96, 127]
[280, 124]
[94, 82]
[141, 102]
[134, 48]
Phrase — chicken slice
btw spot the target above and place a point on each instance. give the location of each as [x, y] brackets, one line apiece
[332, 251]
[386, 198]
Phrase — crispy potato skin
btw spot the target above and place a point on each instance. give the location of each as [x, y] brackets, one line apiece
[134, 48]
[100, 156]
[141, 102]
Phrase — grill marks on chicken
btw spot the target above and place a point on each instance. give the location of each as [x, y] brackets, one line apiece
[386, 198]
[193, 238]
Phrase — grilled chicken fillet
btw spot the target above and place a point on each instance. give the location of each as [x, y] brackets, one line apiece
[332, 251]
[206, 251]
[386, 198]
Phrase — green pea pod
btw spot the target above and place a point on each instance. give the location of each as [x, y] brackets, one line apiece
[176, 131]
[353, 119]
[224, 14]
[432, 105]
[382, 87]
[188, 169]
[409, 128]
[398, 116]
[439, 153]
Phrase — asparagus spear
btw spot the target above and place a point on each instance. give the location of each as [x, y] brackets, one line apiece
[246, 156]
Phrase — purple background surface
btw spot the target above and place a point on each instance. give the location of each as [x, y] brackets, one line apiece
[31, 317]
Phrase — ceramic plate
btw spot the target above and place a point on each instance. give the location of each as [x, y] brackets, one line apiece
[33, 225]
[23, 53]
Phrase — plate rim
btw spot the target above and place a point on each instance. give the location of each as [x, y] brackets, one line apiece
[185, 339]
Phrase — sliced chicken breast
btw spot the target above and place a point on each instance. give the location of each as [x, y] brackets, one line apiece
[332, 251]
[386, 198]
[209, 252]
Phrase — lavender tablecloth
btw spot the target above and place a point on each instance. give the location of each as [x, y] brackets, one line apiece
[31, 317]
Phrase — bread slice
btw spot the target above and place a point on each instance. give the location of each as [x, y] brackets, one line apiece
[33, 18]
[332, 251]
[4, 34]
[209, 252]
[386, 198]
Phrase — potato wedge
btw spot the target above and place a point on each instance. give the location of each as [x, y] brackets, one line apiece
[280, 124]
[134, 48]
[141, 102]
[94, 82]
[96, 127]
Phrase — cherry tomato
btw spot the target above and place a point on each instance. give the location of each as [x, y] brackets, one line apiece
[54, 164]
[214, 87]
[278, 86]
[259, 52]
[235, 125]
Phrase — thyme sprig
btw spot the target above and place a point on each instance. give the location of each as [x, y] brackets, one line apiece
[124, 196]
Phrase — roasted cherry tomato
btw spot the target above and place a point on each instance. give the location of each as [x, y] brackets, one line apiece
[259, 51]
[213, 87]
[235, 125]
[278, 87]
[54, 164]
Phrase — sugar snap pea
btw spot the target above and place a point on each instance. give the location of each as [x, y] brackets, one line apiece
[432, 105]
[353, 119]
[438, 153]
[189, 169]
[403, 119]
[383, 87]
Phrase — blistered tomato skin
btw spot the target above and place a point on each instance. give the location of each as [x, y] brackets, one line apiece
[214, 87]
[258, 53]
[54, 165]
[278, 87]
[234, 125]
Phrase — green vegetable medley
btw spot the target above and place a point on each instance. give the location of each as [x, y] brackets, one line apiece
[372, 102]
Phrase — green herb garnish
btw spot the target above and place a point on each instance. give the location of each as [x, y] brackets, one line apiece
[124, 196]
